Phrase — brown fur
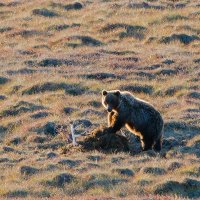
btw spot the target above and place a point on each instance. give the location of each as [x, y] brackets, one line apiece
[138, 116]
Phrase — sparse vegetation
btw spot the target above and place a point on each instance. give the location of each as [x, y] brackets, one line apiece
[57, 57]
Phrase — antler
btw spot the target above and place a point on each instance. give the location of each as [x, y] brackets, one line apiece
[72, 133]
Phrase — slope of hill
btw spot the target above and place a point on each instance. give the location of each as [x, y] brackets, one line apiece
[57, 56]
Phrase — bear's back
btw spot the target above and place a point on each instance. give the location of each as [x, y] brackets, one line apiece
[130, 99]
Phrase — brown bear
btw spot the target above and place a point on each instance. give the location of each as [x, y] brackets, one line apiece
[138, 116]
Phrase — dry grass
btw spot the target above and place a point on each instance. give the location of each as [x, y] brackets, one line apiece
[121, 46]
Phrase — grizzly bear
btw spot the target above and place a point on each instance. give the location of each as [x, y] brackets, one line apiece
[138, 116]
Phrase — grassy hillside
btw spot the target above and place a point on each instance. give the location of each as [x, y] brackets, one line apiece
[57, 56]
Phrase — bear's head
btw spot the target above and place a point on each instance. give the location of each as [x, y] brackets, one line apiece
[111, 99]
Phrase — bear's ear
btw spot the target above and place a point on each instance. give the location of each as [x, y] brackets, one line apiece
[104, 92]
[117, 93]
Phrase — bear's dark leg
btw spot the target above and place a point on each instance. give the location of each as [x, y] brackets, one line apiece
[116, 122]
[147, 144]
[158, 145]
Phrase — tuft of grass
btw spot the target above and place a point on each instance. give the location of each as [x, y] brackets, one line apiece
[73, 89]
[44, 12]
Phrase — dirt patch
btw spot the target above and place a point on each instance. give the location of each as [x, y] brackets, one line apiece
[102, 140]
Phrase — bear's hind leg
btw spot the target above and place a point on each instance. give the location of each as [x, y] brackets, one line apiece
[147, 144]
[158, 145]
